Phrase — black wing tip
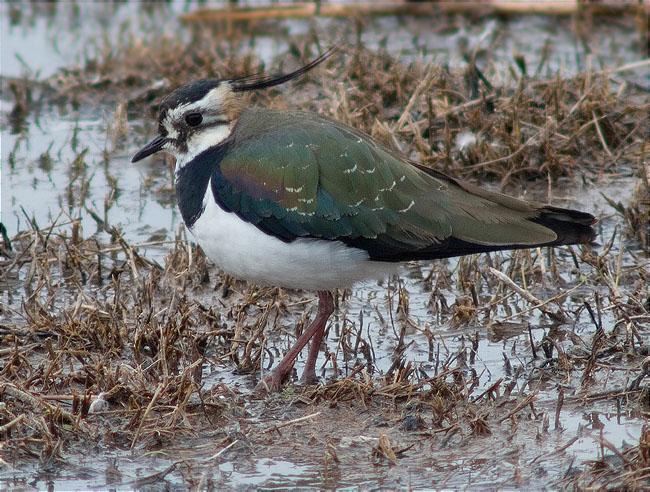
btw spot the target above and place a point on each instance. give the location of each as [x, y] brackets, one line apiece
[570, 226]
[570, 215]
[262, 81]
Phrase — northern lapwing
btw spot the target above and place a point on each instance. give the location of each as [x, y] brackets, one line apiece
[297, 200]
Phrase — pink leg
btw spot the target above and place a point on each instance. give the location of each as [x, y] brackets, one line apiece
[274, 381]
[326, 305]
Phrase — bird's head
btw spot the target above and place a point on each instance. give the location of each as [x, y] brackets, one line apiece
[201, 115]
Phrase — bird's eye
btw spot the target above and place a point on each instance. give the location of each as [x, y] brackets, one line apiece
[193, 119]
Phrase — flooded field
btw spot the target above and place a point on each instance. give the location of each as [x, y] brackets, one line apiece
[128, 361]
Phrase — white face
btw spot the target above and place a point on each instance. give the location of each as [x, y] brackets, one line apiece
[195, 127]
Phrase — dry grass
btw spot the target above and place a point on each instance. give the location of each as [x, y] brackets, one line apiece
[637, 213]
[108, 343]
[584, 125]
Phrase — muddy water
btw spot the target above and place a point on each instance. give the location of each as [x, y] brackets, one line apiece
[42, 179]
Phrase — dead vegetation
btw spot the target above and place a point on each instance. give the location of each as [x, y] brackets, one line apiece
[637, 213]
[107, 343]
[103, 347]
[474, 122]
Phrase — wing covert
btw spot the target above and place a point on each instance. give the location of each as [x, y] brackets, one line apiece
[295, 174]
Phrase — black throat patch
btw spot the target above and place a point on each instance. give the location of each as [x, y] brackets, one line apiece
[192, 182]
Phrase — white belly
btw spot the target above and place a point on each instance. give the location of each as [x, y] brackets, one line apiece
[245, 252]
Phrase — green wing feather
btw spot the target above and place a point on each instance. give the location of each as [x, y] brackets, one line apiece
[299, 175]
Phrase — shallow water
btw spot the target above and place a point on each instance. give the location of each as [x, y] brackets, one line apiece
[48, 38]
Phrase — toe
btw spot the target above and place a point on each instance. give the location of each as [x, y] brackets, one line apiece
[309, 378]
[270, 384]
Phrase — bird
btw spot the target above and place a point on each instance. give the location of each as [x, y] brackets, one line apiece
[297, 200]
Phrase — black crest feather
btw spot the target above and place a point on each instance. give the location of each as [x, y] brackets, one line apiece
[189, 93]
[262, 81]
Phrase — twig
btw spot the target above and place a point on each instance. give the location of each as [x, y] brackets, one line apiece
[12, 350]
[558, 316]
[558, 408]
[489, 390]
[423, 123]
[547, 301]
[13, 423]
[556, 451]
[605, 443]
[507, 157]
[291, 422]
[25, 397]
[601, 137]
[422, 87]
[526, 401]
[613, 393]
[146, 412]
[629, 66]
[219, 453]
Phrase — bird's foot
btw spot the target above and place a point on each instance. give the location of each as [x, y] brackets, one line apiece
[271, 383]
[309, 377]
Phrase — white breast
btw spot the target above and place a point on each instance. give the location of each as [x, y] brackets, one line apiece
[245, 252]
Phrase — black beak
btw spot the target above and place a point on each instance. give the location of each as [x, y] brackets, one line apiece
[151, 148]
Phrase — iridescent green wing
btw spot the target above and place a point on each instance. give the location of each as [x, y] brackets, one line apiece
[297, 175]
